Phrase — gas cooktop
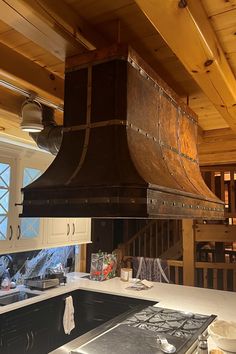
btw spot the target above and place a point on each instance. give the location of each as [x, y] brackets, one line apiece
[138, 333]
[171, 324]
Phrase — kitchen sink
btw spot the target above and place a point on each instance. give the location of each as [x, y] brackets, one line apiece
[15, 297]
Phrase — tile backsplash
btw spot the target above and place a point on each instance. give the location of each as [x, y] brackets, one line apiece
[34, 263]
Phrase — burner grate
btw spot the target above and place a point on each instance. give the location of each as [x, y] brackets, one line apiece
[186, 326]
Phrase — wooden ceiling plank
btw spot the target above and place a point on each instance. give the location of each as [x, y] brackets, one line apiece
[4, 27]
[218, 158]
[38, 55]
[220, 145]
[207, 63]
[216, 7]
[17, 69]
[11, 129]
[208, 116]
[95, 10]
[10, 103]
[69, 21]
[224, 20]
[13, 38]
[217, 146]
[30, 50]
[227, 38]
[40, 22]
[216, 133]
[19, 21]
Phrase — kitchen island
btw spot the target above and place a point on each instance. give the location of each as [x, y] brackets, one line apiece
[182, 298]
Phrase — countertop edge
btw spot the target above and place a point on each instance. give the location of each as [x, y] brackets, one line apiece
[184, 298]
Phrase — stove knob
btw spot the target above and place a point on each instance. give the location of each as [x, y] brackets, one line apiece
[202, 345]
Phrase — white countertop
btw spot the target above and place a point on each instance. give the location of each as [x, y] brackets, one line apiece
[179, 297]
[184, 298]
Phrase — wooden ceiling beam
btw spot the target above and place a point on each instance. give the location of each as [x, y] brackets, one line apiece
[51, 24]
[18, 70]
[69, 21]
[187, 31]
[10, 104]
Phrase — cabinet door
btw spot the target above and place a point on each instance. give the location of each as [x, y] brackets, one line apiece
[41, 338]
[60, 338]
[81, 230]
[15, 331]
[29, 231]
[19, 167]
[41, 331]
[29, 330]
[7, 199]
[16, 342]
[57, 231]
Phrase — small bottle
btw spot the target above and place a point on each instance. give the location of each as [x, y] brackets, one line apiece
[202, 345]
[6, 280]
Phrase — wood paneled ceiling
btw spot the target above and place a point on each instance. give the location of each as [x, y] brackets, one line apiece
[36, 36]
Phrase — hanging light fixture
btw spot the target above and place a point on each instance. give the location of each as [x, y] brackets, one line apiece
[31, 113]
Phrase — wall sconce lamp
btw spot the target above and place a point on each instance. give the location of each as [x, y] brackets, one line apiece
[31, 113]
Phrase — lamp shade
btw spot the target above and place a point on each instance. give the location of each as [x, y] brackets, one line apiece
[31, 116]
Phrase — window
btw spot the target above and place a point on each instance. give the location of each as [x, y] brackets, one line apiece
[5, 171]
[30, 226]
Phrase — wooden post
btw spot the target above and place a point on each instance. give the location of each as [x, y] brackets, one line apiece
[188, 252]
[80, 258]
[125, 230]
[219, 252]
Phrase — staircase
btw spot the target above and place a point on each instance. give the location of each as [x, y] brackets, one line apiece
[157, 239]
[163, 239]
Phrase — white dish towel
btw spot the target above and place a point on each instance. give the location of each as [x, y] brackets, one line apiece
[68, 318]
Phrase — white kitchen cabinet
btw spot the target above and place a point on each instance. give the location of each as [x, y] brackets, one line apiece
[18, 168]
[57, 231]
[29, 231]
[67, 231]
[81, 230]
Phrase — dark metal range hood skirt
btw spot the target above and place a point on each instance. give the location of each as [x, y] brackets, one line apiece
[128, 150]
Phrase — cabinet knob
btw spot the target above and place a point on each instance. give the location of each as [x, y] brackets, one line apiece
[11, 233]
[19, 232]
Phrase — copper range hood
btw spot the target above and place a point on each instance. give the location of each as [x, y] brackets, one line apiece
[128, 149]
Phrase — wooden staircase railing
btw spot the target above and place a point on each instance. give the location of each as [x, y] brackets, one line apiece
[153, 239]
[222, 181]
[175, 269]
[220, 276]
